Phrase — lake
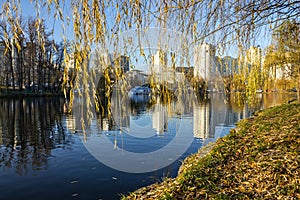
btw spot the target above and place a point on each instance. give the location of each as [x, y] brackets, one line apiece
[45, 154]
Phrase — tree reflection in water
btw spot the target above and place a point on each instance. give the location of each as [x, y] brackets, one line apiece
[29, 129]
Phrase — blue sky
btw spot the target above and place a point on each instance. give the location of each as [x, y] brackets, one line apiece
[29, 10]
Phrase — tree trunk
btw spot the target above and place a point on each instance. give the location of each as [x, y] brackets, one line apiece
[299, 85]
[12, 69]
[22, 70]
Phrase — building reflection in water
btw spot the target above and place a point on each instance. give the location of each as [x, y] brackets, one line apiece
[159, 118]
[202, 119]
[1, 128]
[211, 117]
[120, 109]
[29, 129]
[71, 123]
[104, 118]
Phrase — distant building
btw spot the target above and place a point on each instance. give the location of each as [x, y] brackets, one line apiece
[227, 66]
[184, 70]
[253, 56]
[101, 60]
[121, 62]
[188, 72]
[137, 77]
[164, 73]
[160, 62]
[160, 68]
[282, 72]
[204, 64]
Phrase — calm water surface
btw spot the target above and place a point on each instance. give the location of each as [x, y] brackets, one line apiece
[43, 152]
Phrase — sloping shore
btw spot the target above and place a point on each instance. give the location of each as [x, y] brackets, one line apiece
[259, 159]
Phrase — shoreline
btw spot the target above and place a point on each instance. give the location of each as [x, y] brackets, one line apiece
[19, 94]
[258, 159]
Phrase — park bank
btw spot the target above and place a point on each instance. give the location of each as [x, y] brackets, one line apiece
[259, 159]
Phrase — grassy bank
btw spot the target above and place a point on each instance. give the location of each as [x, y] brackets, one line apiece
[260, 159]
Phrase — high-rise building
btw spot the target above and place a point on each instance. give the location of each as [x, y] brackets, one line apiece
[121, 62]
[227, 66]
[160, 68]
[204, 64]
[160, 61]
[137, 77]
[253, 56]
[101, 59]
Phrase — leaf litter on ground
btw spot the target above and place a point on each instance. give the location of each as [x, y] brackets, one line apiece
[259, 159]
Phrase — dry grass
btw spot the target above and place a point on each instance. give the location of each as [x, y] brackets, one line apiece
[258, 160]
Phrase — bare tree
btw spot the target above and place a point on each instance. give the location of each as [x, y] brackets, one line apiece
[31, 51]
[8, 64]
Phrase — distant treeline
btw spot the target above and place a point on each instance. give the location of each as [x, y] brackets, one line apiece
[32, 61]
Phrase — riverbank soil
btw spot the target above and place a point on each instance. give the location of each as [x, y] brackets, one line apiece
[259, 159]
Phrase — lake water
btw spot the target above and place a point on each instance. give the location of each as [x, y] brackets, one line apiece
[44, 154]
